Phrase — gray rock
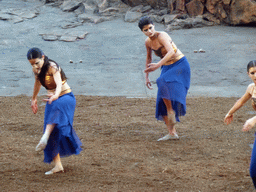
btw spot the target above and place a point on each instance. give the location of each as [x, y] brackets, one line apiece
[169, 18]
[102, 4]
[110, 11]
[4, 16]
[68, 25]
[68, 38]
[146, 9]
[81, 9]
[137, 8]
[50, 37]
[157, 18]
[132, 16]
[78, 34]
[17, 19]
[28, 15]
[91, 18]
[55, 32]
[70, 5]
[188, 23]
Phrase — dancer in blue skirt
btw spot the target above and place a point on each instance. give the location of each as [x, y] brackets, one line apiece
[59, 138]
[174, 81]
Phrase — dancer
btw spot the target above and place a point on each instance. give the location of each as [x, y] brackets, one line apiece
[59, 138]
[249, 94]
[174, 81]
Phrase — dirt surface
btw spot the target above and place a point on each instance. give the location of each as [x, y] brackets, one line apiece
[120, 148]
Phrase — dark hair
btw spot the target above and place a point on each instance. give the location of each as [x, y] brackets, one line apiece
[251, 64]
[145, 20]
[35, 53]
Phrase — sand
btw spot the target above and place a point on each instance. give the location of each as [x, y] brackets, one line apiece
[120, 148]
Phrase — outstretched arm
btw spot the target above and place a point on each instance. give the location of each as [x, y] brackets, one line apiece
[229, 117]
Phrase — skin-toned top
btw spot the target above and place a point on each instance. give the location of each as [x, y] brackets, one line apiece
[161, 51]
[50, 83]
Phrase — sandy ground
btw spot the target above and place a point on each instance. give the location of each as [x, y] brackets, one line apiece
[120, 148]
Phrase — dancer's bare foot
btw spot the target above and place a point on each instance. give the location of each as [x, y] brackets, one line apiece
[42, 143]
[169, 137]
[56, 169]
[41, 146]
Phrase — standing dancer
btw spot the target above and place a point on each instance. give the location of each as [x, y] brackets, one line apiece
[249, 94]
[174, 81]
[59, 138]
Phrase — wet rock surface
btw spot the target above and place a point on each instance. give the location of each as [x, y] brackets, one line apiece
[113, 52]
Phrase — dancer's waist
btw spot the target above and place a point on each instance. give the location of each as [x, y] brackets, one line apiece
[65, 91]
[174, 59]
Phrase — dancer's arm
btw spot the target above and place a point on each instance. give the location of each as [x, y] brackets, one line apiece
[57, 78]
[148, 61]
[249, 124]
[237, 105]
[37, 87]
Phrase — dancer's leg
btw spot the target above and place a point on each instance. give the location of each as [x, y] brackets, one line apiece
[58, 165]
[44, 139]
[170, 121]
[170, 118]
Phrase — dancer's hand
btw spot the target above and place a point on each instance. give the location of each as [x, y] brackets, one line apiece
[34, 106]
[151, 67]
[148, 83]
[228, 118]
[249, 124]
[51, 97]
[253, 105]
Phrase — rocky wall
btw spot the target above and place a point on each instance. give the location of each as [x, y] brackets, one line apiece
[175, 14]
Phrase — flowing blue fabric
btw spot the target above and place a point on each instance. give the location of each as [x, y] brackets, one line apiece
[253, 164]
[63, 139]
[173, 84]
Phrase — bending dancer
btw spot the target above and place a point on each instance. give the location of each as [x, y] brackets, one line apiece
[59, 138]
[174, 81]
[249, 94]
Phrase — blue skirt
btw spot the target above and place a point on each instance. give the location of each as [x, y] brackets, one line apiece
[173, 84]
[63, 139]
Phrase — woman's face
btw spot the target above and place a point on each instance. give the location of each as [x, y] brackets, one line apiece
[37, 64]
[252, 74]
[149, 30]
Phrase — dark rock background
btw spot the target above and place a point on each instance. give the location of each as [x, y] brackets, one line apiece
[175, 14]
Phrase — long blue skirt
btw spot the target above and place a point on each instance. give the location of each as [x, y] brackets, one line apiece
[173, 84]
[63, 139]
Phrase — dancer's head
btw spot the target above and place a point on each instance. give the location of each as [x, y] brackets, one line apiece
[251, 70]
[36, 58]
[144, 21]
[146, 25]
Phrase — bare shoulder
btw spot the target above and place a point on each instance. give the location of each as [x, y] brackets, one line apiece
[164, 35]
[147, 42]
[250, 87]
[53, 68]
